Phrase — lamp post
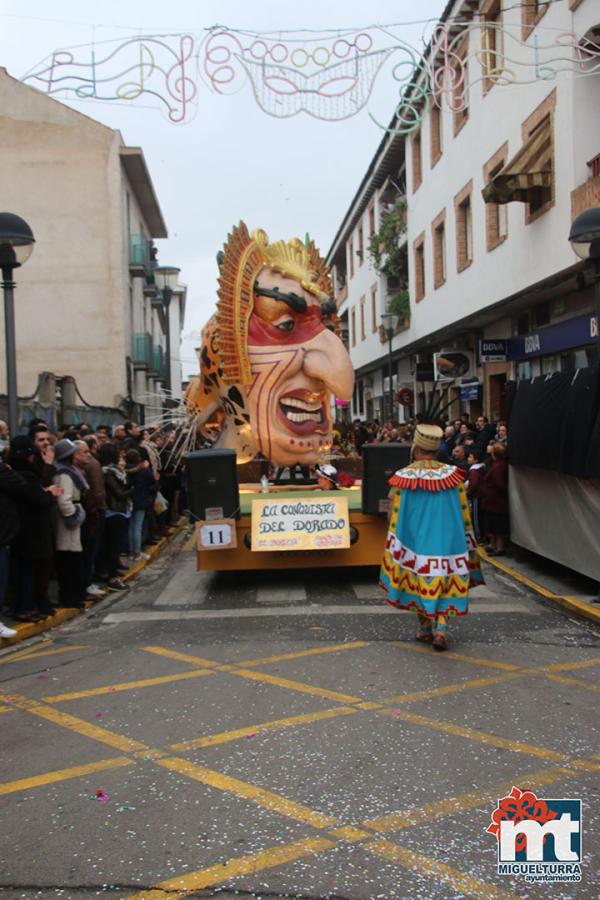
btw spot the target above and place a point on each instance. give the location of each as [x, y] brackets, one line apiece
[585, 241]
[165, 278]
[390, 320]
[16, 244]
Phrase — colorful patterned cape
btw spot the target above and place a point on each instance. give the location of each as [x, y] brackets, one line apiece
[430, 559]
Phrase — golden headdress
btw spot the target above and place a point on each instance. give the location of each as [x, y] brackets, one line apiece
[244, 256]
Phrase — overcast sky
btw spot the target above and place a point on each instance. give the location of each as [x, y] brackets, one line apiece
[232, 161]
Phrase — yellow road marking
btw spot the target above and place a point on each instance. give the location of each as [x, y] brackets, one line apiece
[183, 657]
[233, 868]
[564, 667]
[24, 784]
[274, 725]
[266, 799]
[35, 654]
[28, 651]
[576, 682]
[65, 720]
[462, 657]
[369, 704]
[316, 651]
[126, 686]
[296, 686]
[452, 688]
[396, 821]
[473, 735]
[350, 833]
[424, 865]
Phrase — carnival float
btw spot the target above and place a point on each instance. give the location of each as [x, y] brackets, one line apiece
[272, 364]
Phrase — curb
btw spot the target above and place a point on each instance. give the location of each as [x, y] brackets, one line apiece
[565, 601]
[64, 614]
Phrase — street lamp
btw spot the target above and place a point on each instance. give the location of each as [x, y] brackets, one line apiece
[16, 244]
[389, 323]
[165, 278]
[585, 241]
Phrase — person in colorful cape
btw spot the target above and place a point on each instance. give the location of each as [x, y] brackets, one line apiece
[430, 559]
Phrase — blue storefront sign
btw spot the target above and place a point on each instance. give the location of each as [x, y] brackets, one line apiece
[470, 390]
[492, 350]
[575, 332]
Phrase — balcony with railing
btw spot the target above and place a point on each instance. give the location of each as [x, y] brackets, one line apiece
[142, 349]
[139, 255]
[159, 362]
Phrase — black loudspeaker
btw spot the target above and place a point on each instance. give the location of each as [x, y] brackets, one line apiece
[212, 484]
[380, 461]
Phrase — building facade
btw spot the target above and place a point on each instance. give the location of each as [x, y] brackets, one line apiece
[495, 173]
[86, 304]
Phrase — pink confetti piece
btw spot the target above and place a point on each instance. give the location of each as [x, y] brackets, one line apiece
[251, 734]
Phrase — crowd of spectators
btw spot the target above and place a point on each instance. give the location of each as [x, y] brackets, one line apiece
[79, 507]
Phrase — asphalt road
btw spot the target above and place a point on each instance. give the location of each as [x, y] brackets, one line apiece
[282, 735]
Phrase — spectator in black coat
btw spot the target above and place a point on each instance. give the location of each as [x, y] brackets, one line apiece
[145, 486]
[13, 488]
[484, 434]
[33, 541]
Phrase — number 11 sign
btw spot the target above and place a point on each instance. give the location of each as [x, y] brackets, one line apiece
[216, 534]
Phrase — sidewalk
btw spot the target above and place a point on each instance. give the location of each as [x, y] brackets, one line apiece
[30, 629]
[568, 589]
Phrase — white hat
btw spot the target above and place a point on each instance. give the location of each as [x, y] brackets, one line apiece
[327, 471]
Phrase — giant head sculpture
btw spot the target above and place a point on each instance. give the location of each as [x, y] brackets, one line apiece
[272, 357]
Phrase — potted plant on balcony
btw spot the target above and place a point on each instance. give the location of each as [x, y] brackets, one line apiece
[390, 258]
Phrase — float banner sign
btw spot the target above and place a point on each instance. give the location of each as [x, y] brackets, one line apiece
[302, 524]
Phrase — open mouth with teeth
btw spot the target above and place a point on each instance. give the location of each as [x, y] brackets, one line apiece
[304, 412]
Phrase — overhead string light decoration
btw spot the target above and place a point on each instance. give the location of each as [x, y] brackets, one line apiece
[327, 75]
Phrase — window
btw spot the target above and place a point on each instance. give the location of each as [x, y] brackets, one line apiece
[361, 245]
[353, 326]
[417, 175]
[371, 219]
[438, 234]
[374, 308]
[363, 326]
[464, 228]
[419, 251]
[523, 324]
[541, 315]
[351, 257]
[492, 43]
[496, 214]
[531, 13]
[460, 91]
[435, 132]
[542, 117]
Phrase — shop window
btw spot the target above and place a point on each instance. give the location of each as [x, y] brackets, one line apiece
[524, 370]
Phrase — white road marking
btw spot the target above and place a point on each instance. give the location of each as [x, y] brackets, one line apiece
[275, 594]
[186, 588]
[368, 590]
[146, 615]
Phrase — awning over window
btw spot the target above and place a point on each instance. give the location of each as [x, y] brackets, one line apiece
[527, 172]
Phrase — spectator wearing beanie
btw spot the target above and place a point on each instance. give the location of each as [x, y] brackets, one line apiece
[32, 544]
[69, 519]
[139, 474]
